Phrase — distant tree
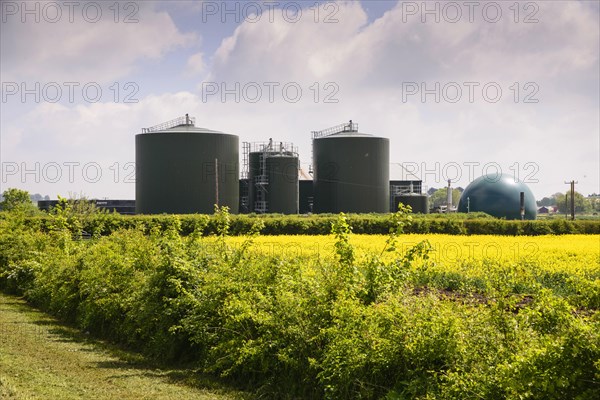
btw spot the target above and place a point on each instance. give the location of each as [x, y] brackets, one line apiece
[547, 201]
[582, 205]
[594, 203]
[16, 199]
[36, 197]
[439, 197]
[82, 207]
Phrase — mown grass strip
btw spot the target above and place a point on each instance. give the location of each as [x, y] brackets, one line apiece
[43, 359]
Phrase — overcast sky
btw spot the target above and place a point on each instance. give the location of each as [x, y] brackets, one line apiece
[459, 88]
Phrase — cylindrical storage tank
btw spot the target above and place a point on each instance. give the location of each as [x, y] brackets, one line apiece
[177, 172]
[273, 182]
[351, 173]
[418, 202]
[282, 172]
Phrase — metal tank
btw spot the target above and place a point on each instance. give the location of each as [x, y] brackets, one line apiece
[412, 188]
[273, 177]
[283, 183]
[419, 203]
[183, 169]
[500, 196]
[351, 171]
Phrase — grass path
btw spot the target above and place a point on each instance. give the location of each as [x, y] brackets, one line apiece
[41, 358]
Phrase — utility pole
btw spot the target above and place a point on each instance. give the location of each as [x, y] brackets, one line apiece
[572, 183]
[449, 197]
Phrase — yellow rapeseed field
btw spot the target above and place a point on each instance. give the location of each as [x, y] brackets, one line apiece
[447, 248]
[472, 255]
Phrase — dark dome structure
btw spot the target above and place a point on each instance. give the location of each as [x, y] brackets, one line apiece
[498, 195]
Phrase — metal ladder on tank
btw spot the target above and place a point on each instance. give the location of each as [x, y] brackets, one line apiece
[245, 162]
[244, 193]
[261, 182]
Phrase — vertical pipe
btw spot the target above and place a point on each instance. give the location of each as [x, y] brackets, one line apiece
[449, 197]
[522, 203]
[217, 182]
[572, 200]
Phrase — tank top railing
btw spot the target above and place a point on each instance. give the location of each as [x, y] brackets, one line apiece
[416, 188]
[270, 147]
[347, 127]
[185, 120]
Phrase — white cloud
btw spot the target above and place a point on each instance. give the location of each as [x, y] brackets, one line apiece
[196, 64]
[559, 55]
[281, 50]
[83, 51]
[369, 63]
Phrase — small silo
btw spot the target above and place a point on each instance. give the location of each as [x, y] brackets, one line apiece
[409, 193]
[351, 171]
[419, 203]
[273, 177]
[182, 169]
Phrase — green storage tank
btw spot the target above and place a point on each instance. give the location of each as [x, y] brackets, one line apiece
[178, 165]
[399, 188]
[498, 195]
[273, 178]
[351, 171]
[419, 203]
[283, 183]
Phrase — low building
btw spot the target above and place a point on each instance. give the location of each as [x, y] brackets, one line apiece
[119, 206]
